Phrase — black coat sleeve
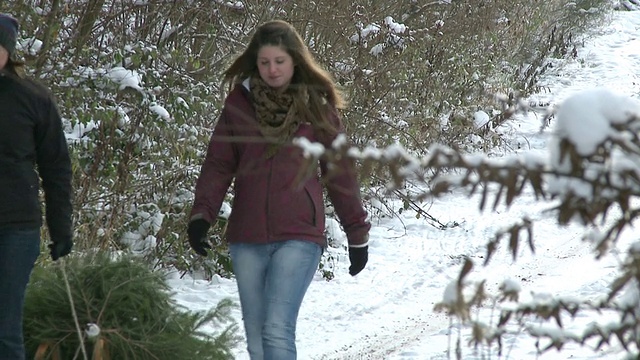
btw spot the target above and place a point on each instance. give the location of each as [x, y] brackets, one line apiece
[54, 167]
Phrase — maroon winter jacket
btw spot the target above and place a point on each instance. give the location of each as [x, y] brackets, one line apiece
[268, 205]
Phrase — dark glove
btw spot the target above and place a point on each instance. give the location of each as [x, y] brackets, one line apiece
[358, 257]
[197, 233]
[60, 248]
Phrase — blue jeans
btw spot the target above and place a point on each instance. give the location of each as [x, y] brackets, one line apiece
[272, 280]
[19, 250]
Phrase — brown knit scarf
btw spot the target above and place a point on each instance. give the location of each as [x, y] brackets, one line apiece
[276, 113]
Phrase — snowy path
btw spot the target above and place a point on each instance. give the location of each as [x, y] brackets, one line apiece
[386, 312]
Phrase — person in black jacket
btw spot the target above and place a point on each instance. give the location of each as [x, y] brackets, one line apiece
[32, 148]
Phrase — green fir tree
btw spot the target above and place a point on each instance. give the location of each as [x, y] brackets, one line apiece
[123, 309]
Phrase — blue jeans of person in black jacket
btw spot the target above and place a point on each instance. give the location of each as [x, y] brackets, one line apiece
[19, 249]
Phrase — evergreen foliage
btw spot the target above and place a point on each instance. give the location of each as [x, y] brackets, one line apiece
[130, 304]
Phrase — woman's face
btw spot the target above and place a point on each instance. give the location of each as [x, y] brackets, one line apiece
[275, 66]
[4, 57]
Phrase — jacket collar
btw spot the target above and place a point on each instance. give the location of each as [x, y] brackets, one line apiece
[246, 84]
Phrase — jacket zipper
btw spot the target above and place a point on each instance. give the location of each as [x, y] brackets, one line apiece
[268, 223]
[313, 206]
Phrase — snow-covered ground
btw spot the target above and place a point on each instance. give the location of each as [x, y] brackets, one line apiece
[387, 311]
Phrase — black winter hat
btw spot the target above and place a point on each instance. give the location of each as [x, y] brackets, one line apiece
[8, 32]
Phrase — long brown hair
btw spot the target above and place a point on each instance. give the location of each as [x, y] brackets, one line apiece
[320, 85]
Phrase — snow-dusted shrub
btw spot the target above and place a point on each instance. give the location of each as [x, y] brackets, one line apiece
[138, 86]
[592, 178]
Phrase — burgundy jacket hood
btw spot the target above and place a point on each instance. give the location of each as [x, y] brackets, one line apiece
[269, 204]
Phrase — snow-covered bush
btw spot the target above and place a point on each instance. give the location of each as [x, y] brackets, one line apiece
[627, 5]
[592, 178]
[138, 86]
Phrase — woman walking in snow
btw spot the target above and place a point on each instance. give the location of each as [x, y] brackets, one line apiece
[31, 137]
[276, 228]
